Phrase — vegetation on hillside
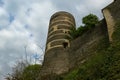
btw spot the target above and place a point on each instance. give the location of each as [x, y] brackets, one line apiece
[105, 65]
[89, 21]
[23, 71]
[31, 72]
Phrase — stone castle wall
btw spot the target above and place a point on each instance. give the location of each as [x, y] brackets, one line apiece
[86, 45]
[56, 56]
[112, 15]
[59, 58]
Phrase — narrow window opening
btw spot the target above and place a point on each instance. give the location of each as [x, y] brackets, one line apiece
[65, 31]
[65, 44]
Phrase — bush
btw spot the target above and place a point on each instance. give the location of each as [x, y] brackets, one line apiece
[89, 21]
[31, 72]
[27, 72]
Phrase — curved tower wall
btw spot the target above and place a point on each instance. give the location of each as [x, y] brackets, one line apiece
[59, 28]
[56, 56]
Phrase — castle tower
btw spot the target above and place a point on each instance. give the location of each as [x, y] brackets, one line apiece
[56, 56]
[112, 16]
[59, 28]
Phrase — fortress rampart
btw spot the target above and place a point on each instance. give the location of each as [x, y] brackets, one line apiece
[61, 54]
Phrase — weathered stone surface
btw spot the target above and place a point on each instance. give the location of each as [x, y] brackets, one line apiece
[87, 44]
[60, 59]
[56, 56]
[112, 15]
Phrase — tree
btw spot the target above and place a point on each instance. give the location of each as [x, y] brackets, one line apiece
[24, 71]
[31, 72]
[17, 71]
[89, 21]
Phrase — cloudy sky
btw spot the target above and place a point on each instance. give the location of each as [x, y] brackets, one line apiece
[24, 25]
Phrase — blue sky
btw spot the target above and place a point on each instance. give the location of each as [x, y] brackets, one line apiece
[24, 24]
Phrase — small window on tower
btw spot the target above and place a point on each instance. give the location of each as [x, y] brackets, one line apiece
[66, 32]
[65, 44]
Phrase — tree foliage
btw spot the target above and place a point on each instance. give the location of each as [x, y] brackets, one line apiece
[31, 72]
[23, 71]
[89, 21]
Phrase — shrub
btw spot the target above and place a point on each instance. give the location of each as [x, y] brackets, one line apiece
[89, 21]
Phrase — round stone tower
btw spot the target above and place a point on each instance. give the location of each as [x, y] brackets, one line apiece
[59, 28]
[56, 55]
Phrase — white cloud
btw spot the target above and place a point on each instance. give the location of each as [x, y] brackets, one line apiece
[11, 63]
[0, 68]
[4, 18]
